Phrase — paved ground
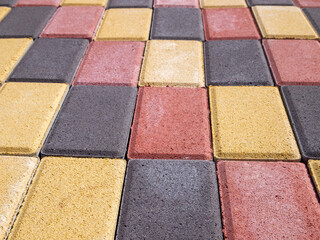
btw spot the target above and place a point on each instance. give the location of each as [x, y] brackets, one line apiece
[164, 119]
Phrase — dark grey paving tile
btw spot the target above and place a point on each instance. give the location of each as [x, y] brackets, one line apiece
[50, 60]
[236, 63]
[313, 15]
[9, 3]
[269, 2]
[177, 23]
[170, 199]
[25, 21]
[94, 121]
[130, 3]
[303, 105]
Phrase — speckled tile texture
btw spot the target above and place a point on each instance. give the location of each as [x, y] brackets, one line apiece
[313, 15]
[223, 3]
[130, 3]
[29, 3]
[101, 3]
[176, 3]
[270, 2]
[314, 166]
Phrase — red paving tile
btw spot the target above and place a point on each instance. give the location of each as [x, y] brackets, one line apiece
[73, 22]
[111, 63]
[177, 3]
[55, 3]
[307, 3]
[294, 62]
[229, 23]
[171, 123]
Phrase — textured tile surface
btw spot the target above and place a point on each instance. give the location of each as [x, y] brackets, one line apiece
[177, 3]
[233, 23]
[4, 12]
[294, 62]
[8, 2]
[222, 3]
[283, 22]
[236, 62]
[94, 121]
[165, 199]
[314, 166]
[74, 22]
[102, 3]
[25, 21]
[313, 15]
[76, 197]
[12, 50]
[50, 60]
[307, 3]
[111, 63]
[173, 63]
[303, 104]
[171, 123]
[27, 110]
[125, 24]
[15, 176]
[268, 201]
[130, 3]
[251, 123]
[270, 2]
[28, 3]
[177, 23]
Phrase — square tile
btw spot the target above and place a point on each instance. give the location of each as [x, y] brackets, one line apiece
[270, 2]
[313, 15]
[111, 64]
[4, 12]
[307, 3]
[294, 62]
[267, 200]
[173, 63]
[74, 22]
[50, 60]
[177, 23]
[28, 3]
[223, 3]
[9, 3]
[283, 22]
[171, 123]
[16, 173]
[125, 24]
[130, 4]
[101, 3]
[12, 50]
[229, 23]
[94, 121]
[251, 123]
[66, 193]
[27, 112]
[303, 105]
[167, 199]
[177, 3]
[25, 22]
[236, 62]
[314, 166]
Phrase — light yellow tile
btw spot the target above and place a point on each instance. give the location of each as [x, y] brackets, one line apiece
[173, 63]
[84, 3]
[72, 198]
[250, 123]
[125, 24]
[15, 175]
[222, 3]
[314, 166]
[4, 11]
[27, 110]
[283, 22]
[11, 51]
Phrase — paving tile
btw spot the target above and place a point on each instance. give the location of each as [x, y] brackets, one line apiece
[222, 3]
[130, 3]
[267, 200]
[306, 3]
[72, 198]
[102, 3]
[173, 63]
[111, 63]
[94, 121]
[177, 23]
[294, 62]
[168, 199]
[236, 62]
[314, 166]
[9, 3]
[177, 3]
[27, 112]
[16, 173]
[50, 60]
[250, 123]
[125, 24]
[28, 3]
[313, 15]
[4, 12]
[25, 21]
[270, 2]
[12, 51]
[230, 23]
[283, 22]
[303, 105]
[171, 123]
[74, 22]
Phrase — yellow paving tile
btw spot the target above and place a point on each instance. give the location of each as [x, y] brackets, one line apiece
[283, 22]
[125, 24]
[314, 166]
[27, 109]
[15, 175]
[3, 12]
[250, 123]
[222, 3]
[72, 198]
[11, 51]
[173, 63]
[84, 3]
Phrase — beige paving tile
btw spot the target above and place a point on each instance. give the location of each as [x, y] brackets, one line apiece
[3, 12]
[84, 3]
[222, 3]
[314, 166]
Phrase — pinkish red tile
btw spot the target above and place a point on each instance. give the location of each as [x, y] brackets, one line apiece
[54, 3]
[171, 123]
[307, 3]
[263, 200]
[74, 22]
[177, 3]
[294, 62]
[229, 23]
[111, 63]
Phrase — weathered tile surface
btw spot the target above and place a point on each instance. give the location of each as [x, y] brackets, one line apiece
[130, 3]
[177, 3]
[314, 166]
[222, 3]
[102, 3]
